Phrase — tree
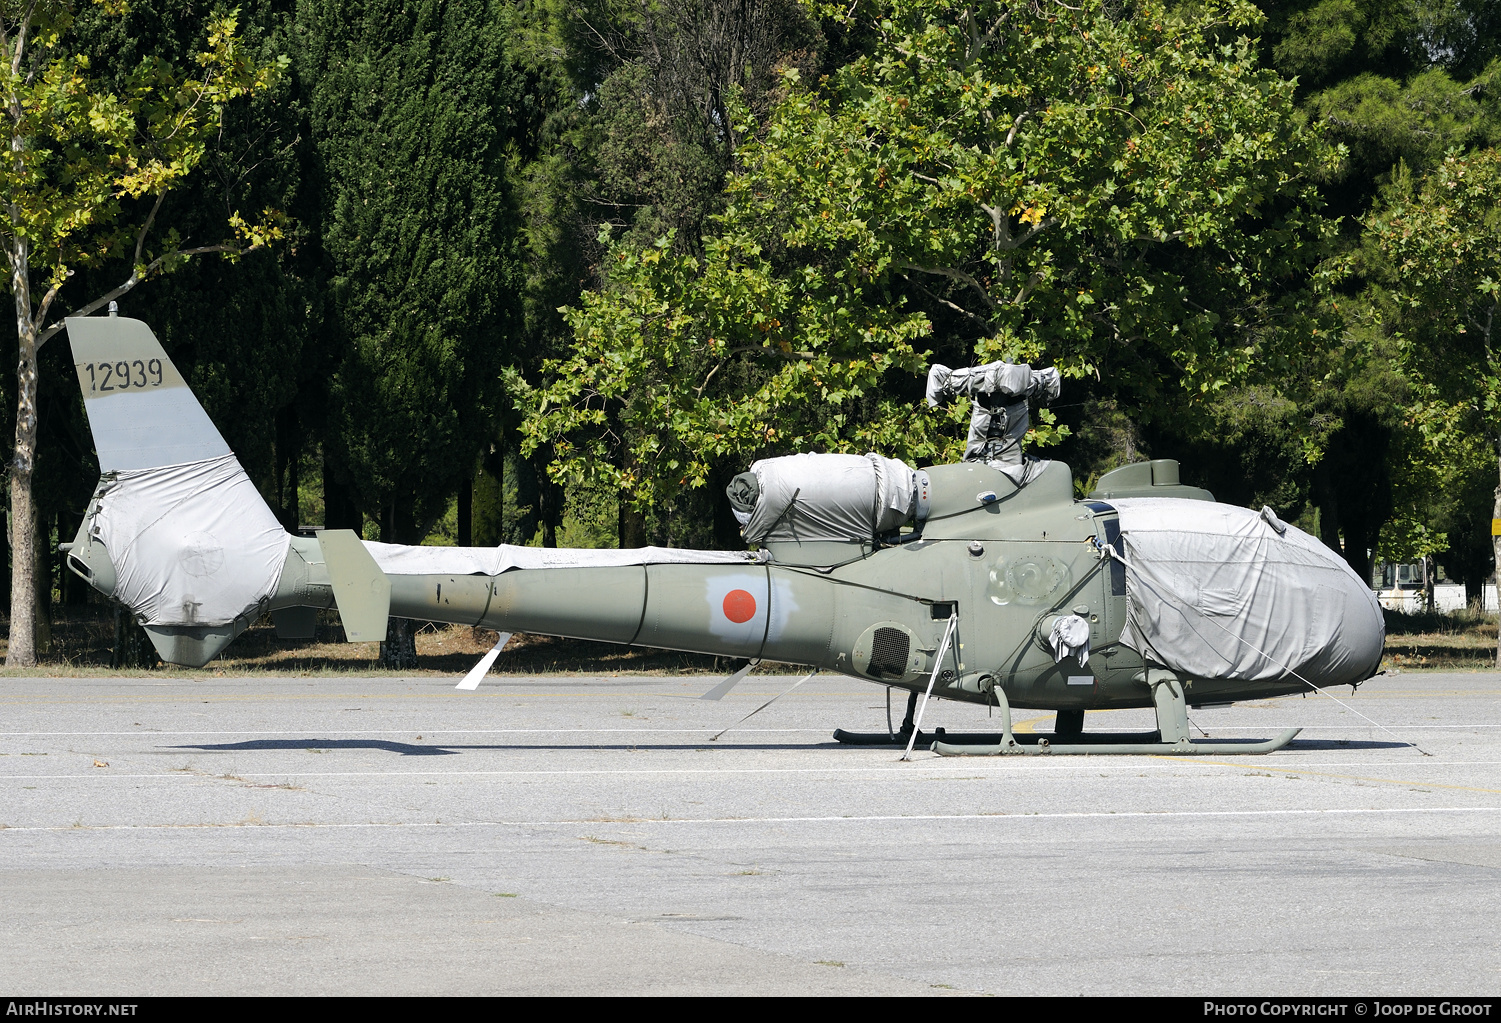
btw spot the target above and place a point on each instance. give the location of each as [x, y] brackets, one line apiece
[1120, 192]
[79, 155]
[1395, 85]
[247, 335]
[410, 110]
[629, 102]
[1433, 248]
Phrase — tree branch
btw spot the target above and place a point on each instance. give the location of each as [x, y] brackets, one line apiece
[952, 305]
[699, 391]
[1033, 280]
[21, 27]
[136, 278]
[146, 227]
[1130, 115]
[1036, 229]
[1011, 135]
[46, 305]
[953, 274]
[774, 352]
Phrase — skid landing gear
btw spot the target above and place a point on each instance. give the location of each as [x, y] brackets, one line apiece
[1171, 737]
[900, 737]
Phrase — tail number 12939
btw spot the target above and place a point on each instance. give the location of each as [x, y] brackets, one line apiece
[124, 376]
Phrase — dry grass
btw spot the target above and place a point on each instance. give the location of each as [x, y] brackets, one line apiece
[1462, 641]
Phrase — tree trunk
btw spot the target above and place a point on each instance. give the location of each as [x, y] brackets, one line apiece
[1496, 551]
[399, 651]
[1328, 506]
[488, 504]
[133, 648]
[727, 534]
[288, 468]
[22, 650]
[42, 627]
[466, 512]
[340, 511]
[67, 592]
[549, 506]
[631, 527]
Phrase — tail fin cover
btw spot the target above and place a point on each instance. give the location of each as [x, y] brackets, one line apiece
[190, 538]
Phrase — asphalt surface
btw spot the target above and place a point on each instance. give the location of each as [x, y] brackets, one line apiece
[584, 835]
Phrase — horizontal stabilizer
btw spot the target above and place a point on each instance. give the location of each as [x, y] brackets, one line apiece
[361, 589]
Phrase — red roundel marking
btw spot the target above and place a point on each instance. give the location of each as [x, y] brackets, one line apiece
[739, 606]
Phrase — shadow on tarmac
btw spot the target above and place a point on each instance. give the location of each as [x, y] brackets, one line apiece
[1338, 744]
[408, 749]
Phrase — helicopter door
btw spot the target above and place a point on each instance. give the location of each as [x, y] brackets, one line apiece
[1107, 631]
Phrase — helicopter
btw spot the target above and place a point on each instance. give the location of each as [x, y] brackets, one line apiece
[985, 581]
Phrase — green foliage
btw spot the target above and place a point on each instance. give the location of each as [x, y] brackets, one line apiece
[1434, 247]
[409, 109]
[1432, 255]
[488, 509]
[1391, 80]
[1122, 194]
[80, 151]
[591, 518]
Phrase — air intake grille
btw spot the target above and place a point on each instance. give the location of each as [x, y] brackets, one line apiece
[888, 653]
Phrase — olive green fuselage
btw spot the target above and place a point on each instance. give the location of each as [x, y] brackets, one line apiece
[1006, 567]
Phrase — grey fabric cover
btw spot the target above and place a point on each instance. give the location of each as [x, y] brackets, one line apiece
[1070, 638]
[830, 497]
[398, 559]
[192, 544]
[999, 410]
[744, 491]
[1216, 592]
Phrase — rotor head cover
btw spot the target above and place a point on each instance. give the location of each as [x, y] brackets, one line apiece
[812, 497]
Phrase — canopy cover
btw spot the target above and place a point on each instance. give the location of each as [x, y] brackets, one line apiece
[826, 497]
[1220, 592]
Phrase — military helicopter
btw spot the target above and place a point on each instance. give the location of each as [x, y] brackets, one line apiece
[985, 581]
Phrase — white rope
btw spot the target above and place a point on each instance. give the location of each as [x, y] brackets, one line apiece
[768, 703]
[1110, 551]
[943, 649]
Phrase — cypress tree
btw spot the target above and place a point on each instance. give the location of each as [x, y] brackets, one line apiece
[409, 110]
[410, 113]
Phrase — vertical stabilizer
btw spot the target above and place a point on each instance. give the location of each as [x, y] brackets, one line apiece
[361, 589]
[141, 411]
[196, 554]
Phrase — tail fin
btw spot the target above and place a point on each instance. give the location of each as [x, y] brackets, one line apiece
[192, 547]
[141, 411]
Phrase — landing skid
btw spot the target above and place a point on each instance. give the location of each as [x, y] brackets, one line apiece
[1170, 739]
[923, 738]
[1147, 743]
